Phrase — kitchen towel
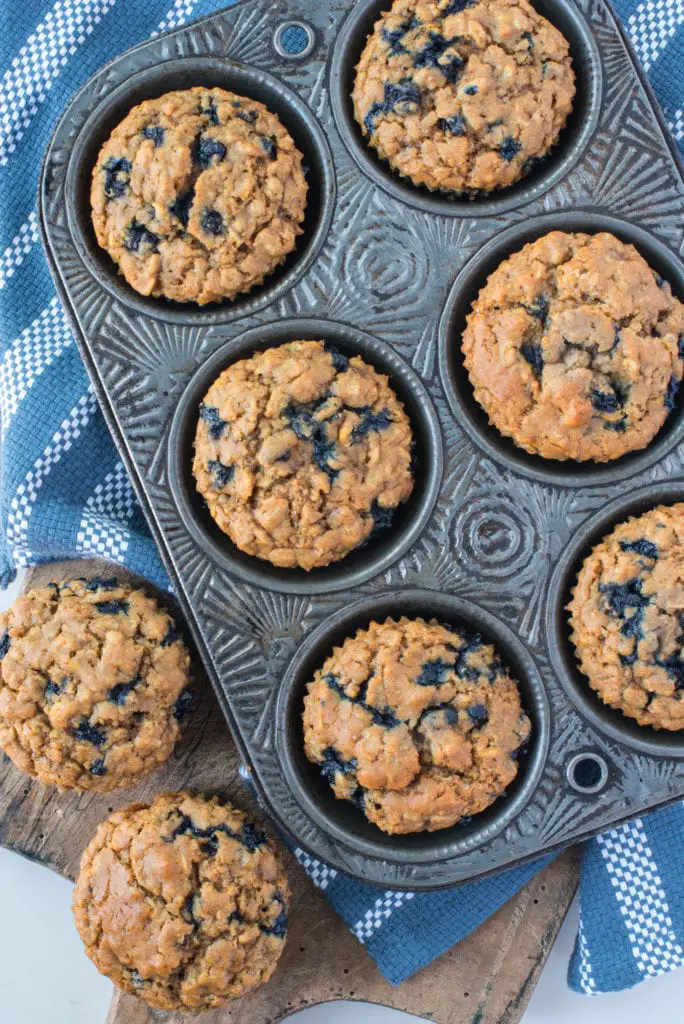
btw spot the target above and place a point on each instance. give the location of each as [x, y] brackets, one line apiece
[64, 492]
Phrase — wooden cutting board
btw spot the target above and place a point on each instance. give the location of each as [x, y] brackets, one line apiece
[486, 979]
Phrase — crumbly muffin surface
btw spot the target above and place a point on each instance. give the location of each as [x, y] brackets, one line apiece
[182, 902]
[627, 616]
[198, 195]
[417, 723]
[463, 95]
[93, 679]
[300, 453]
[575, 348]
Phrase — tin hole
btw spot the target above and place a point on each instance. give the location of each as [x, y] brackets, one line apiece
[380, 550]
[457, 382]
[573, 139]
[587, 773]
[293, 39]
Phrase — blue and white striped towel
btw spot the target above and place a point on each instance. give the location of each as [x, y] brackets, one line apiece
[63, 491]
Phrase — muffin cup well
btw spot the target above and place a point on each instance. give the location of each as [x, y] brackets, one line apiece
[378, 553]
[340, 818]
[572, 142]
[606, 720]
[181, 74]
[456, 381]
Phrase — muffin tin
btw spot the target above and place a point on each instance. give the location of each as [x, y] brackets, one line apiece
[492, 537]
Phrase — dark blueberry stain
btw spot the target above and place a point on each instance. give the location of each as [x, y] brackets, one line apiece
[250, 836]
[116, 186]
[534, 356]
[249, 116]
[392, 38]
[403, 95]
[509, 148]
[183, 706]
[456, 6]
[470, 642]
[113, 607]
[212, 222]
[333, 763]
[323, 451]
[495, 669]
[301, 421]
[680, 346]
[137, 234]
[222, 474]
[4, 644]
[528, 37]
[279, 926]
[619, 426]
[54, 689]
[605, 401]
[339, 361]
[450, 713]
[285, 456]
[471, 90]
[539, 309]
[454, 125]
[135, 976]
[172, 634]
[630, 659]
[211, 111]
[478, 715]
[212, 417]
[433, 673]
[236, 916]
[671, 393]
[358, 798]
[154, 132]
[118, 693]
[269, 146]
[641, 547]
[674, 666]
[382, 517]
[182, 205]
[204, 149]
[87, 733]
[624, 598]
[371, 421]
[100, 583]
[98, 767]
[385, 717]
[431, 54]
[188, 909]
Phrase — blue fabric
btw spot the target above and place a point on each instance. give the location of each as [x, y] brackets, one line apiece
[63, 491]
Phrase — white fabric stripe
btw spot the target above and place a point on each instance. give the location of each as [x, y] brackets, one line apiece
[651, 26]
[676, 125]
[587, 980]
[39, 62]
[640, 895]
[319, 873]
[102, 530]
[177, 15]
[23, 503]
[18, 249]
[29, 355]
[379, 913]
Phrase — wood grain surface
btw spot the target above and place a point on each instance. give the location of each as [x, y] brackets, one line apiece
[486, 979]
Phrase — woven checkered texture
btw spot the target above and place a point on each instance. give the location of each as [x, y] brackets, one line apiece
[63, 491]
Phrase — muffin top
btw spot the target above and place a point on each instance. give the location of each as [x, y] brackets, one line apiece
[300, 453]
[92, 684]
[463, 95]
[417, 723]
[198, 195]
[182, 902]
[575, 348]
[627, 615]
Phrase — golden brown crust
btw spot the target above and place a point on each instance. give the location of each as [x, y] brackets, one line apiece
[462, 96]
[198, 195]
[299, 452]
[182, 902]
[572, 348]
[627, 615]
[417, 723]
[92, 683]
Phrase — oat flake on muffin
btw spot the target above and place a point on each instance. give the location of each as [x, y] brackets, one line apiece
[198, 195]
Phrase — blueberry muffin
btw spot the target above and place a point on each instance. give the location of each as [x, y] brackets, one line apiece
[93, 679]
[182, 902]
[198, 195]
[575, 348]
[417, 723]
[627, 616]
[301, 453]
[463, 95]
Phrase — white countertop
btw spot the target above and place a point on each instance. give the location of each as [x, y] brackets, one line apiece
[45, 977]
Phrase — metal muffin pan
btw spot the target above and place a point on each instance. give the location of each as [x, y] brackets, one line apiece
[492, 537]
